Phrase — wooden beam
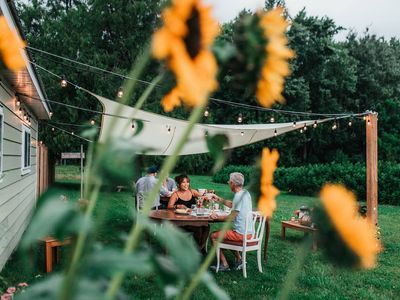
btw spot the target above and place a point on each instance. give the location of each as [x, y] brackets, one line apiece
[371, 124]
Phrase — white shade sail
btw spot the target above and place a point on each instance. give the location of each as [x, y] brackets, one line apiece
[160, 134]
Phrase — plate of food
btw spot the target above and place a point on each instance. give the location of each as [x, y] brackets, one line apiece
[182, 211]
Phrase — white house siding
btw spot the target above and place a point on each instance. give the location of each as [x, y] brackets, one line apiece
[17, 191]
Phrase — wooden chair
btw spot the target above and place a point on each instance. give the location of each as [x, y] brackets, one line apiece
[253, 243]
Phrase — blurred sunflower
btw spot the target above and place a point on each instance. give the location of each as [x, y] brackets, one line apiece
[10, 47]
[347, 238]
[268, 192]
[276, 66]
[184, 42]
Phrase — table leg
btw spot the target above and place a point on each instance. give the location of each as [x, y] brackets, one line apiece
[314, 244]
[283, 232]
[267, 231]
[48, 257]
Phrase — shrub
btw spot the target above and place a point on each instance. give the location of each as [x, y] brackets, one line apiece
[308, 180]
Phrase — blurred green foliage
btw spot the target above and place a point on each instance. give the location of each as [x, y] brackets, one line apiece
[309, 179]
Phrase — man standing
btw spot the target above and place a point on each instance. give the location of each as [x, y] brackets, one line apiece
[144, 185]
[241, 205]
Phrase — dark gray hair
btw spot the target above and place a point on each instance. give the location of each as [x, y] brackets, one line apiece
[237, 178]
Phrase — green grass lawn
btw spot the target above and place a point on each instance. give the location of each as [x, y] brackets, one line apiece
[318, 280]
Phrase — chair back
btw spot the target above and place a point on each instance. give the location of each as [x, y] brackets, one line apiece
[258, 227]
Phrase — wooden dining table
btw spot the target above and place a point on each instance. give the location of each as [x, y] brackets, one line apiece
[181, 220]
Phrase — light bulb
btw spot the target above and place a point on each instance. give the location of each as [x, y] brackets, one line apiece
[305, 127]
[301, 130]
[206, 113]
[275, 133]
[120, 92]
[350, 123]
[240, 118]
[315, 124]
[272, 119]
[242, 133]
[52, 129]
[368, 122]
[92, 122]
[50, 114]
[334, 126]
[72, 133]
[63, 82]
[294, 124]
[18, 103]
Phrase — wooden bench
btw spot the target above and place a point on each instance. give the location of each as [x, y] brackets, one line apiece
[51, 251]
[295, 225]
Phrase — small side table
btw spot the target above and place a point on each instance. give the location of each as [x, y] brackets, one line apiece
[296, 226]
[51, 250]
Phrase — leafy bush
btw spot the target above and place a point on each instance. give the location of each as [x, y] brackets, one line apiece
[308, 179]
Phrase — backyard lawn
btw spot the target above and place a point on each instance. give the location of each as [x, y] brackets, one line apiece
[318, 280]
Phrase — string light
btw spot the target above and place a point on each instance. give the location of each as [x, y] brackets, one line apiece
[206, 112]
[53, 129]
[18, 102]
[72, 133]
[63, 82]
[240, 118]
[294, 124]
[275, 132]
[92, 122]
[301, 130]
[305, 127]
[350, 123]
[364, 118]
[120, 93]
[368, 121]
[334, 126]
[242, 133]
[272, 119]
[50, 114]
[90, 68]
[20, 111]
[315, 124]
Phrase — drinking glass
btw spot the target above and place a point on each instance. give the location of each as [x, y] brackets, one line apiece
[194, 208]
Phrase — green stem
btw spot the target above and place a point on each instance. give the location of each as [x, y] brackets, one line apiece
[129, 85]
[80, 243]
[203, 268]
[167, 167]
[292, 275]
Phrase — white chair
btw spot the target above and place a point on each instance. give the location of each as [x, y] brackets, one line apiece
[249, 244]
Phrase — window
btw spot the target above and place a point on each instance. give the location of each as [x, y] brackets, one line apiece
[26, 150]
[1, 140]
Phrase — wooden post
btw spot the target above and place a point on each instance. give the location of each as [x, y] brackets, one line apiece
[372, 166]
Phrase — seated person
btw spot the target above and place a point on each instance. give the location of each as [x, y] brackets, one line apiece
[167, 189]
[185, 197]
[241, 205]
[144, 185]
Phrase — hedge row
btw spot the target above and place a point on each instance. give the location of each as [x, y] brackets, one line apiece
[308, 179]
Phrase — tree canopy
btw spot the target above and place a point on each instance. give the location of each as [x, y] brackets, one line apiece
[328, 76]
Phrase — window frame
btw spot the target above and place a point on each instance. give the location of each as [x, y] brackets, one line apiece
[26, 169]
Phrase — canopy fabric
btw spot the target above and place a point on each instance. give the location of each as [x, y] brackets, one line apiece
[160, 134]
